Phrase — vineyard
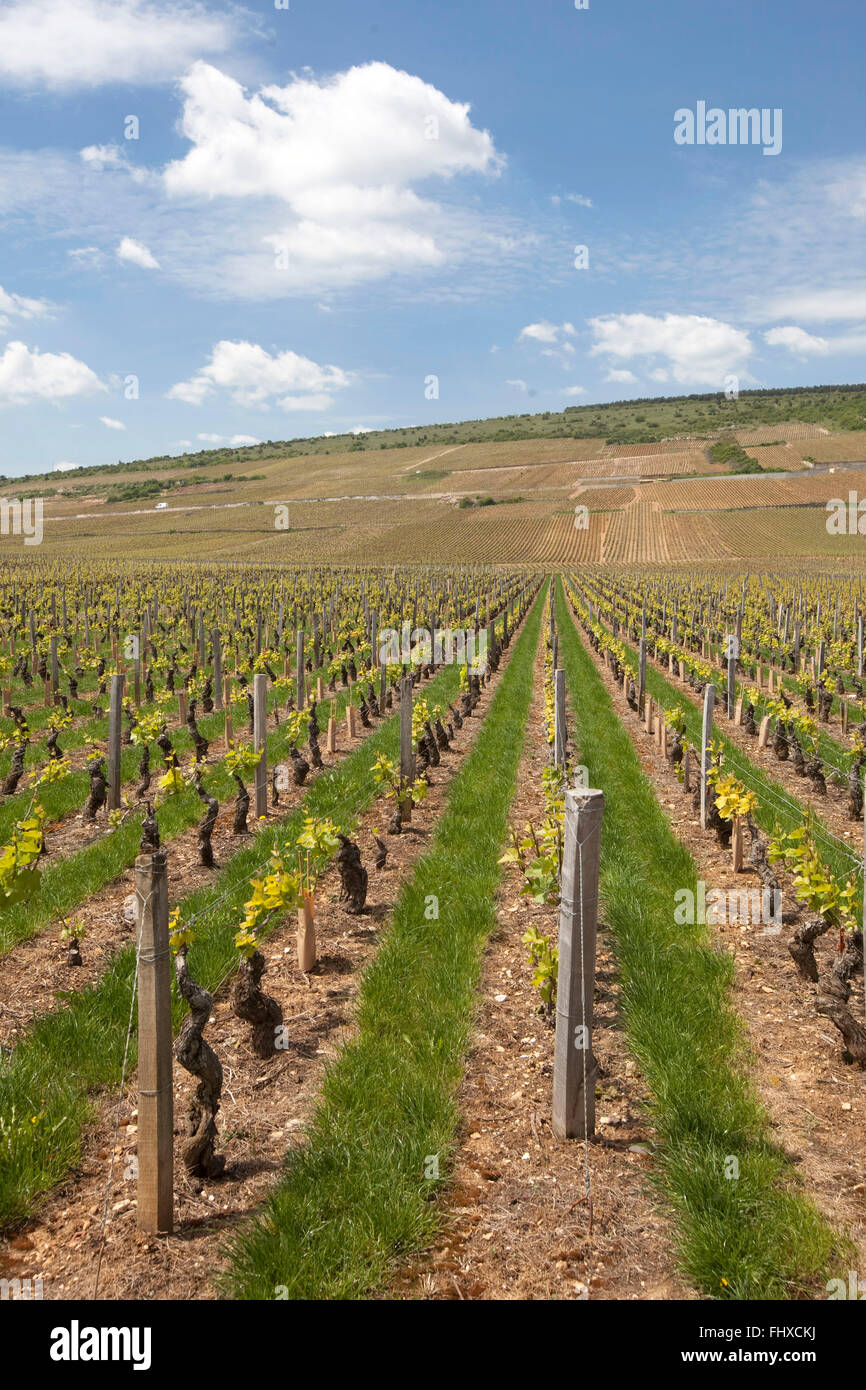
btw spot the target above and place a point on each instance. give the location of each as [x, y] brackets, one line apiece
[327, 817]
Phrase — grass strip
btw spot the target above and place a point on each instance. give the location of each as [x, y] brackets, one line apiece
[70, 881]
[753, 1236]
[47, 1080]
[776, 805]
[356, 1195]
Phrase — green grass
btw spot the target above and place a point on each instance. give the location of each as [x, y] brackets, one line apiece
[68, 1054]
[355, 1196]
[776, 806]
[756, 1236]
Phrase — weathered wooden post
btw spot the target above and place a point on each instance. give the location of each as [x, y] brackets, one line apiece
[641, 689]
[115, 710]
[217, 668]
[574, 1067]
[260, 729]
[407, 752]
[706, 736]
[155, 1211]
[55, 667]
[559, 738]
[300, 696]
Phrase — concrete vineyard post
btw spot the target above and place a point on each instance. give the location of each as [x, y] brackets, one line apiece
[114, 736]
[260, 728]
[407, 753]
[559, 738]
[574, 1067]
[706, 735]
[155, 1211]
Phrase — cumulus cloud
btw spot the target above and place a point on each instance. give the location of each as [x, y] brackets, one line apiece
[518, 384]
[546, 332]
[27, 375]
[334, 161]
[574, 390]
[111, 424]
[95, 42]
[797, 340]
[620, 374]
[252, 377]
[693, 348]
[137, 253]
[65, 466]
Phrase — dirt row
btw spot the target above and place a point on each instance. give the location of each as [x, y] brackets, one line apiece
[36, 969]
[830, 808]
[265, 1104]
[815, 1102]
[517, 1222]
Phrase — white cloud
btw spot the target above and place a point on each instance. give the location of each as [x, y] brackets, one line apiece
[696, 349]
[797, 340]
[579, 199]
[87, 257]
[518, 384]
[620, 374]
[546, 332]
[137, 253]
[95, 42]
[363, 429]
[574, 390]
[27, 375]
[65, 467]
[252, 377]
[234, 441]
[16, 306]
[821, 306]
[340, 155]
[111, 424]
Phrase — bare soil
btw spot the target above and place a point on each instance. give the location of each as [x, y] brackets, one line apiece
[87, 1225]
[517, 1220]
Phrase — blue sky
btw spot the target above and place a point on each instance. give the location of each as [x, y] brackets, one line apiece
[327, 207]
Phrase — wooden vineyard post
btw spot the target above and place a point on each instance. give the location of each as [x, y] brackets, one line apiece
[227, 701]
[764, 732]
[732, 684]
[641, 688]
[300, 696]
[114, 736]
[648, 714]
[574, 1067]
[55, 668]
[737, 845]
[559, 739]
[332, 728]
[217, 669]
[260, 729]
[706, 735]
[860, 648]
[407, 755]
[155, 1212]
